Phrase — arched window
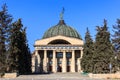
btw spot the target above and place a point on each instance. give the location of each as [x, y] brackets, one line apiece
[59, 41]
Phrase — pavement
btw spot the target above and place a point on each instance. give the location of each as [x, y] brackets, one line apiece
[53, 76]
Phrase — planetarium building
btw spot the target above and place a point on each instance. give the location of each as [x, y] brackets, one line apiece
[59, 50]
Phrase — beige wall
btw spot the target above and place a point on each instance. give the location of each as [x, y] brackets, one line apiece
[73, 41]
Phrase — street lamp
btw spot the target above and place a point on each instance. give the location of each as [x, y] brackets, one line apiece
[110, 67]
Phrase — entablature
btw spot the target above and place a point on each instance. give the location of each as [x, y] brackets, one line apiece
[58, 47]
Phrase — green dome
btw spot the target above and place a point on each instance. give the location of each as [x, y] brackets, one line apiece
[61, 29]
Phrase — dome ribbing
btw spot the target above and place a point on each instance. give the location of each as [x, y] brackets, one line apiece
[61, 29]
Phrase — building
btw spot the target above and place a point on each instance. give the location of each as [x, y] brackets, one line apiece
[60, 50]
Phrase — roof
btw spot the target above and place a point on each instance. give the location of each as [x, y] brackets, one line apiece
[61, 29]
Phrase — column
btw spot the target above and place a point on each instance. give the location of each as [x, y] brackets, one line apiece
[37, 61]
[81, 53]
[78, 64]
[45, 61]
[81, 58]
[54, 69]
[73, 62]
[64, 62]
[33, 64]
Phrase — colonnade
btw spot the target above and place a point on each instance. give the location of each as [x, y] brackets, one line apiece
[64, 61]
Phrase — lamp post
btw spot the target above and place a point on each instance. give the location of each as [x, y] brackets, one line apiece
[110, 67]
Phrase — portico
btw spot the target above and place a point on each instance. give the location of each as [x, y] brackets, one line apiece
[60, 60]
[52, 57]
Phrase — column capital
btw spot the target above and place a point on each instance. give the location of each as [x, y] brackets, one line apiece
[73, 50]
[36, 52]
[82, 48]
[64, 51]
[54, 51]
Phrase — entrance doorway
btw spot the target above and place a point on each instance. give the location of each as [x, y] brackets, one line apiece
[68, 68]
[59, 61]
[50, 68]
[59, 68]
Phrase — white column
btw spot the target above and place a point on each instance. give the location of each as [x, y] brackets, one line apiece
[33, 64]
[54, 61]
[37, 61]
[45, 61]
[81, 53]
[78, 64]
[73, 62]
[64, 62]
[81, 58]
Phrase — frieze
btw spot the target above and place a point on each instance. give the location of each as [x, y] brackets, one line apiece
[59, 47]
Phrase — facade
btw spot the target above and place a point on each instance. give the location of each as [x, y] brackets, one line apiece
[60, 50]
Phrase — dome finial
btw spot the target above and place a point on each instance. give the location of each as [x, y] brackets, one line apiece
[61, 14]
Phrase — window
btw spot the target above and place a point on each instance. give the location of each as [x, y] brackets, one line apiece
[68, 55]
[59, 62]
[50, 62]
[59, 55]
[68, 62]
[59, 41]
[50, 54]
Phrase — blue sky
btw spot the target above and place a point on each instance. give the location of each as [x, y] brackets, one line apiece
[40, 15]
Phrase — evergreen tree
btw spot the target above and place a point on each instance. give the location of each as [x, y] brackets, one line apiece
[86, 62]
[19, 50]
[5, 24]
[14, 49]
[103, 55]
[26, 52]
[116, 41]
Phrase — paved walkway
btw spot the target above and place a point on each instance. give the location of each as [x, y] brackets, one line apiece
[55, 76]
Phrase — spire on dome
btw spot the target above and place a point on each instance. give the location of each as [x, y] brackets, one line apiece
[62, 13]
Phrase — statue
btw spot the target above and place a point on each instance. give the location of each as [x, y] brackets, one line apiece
[61, 14]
